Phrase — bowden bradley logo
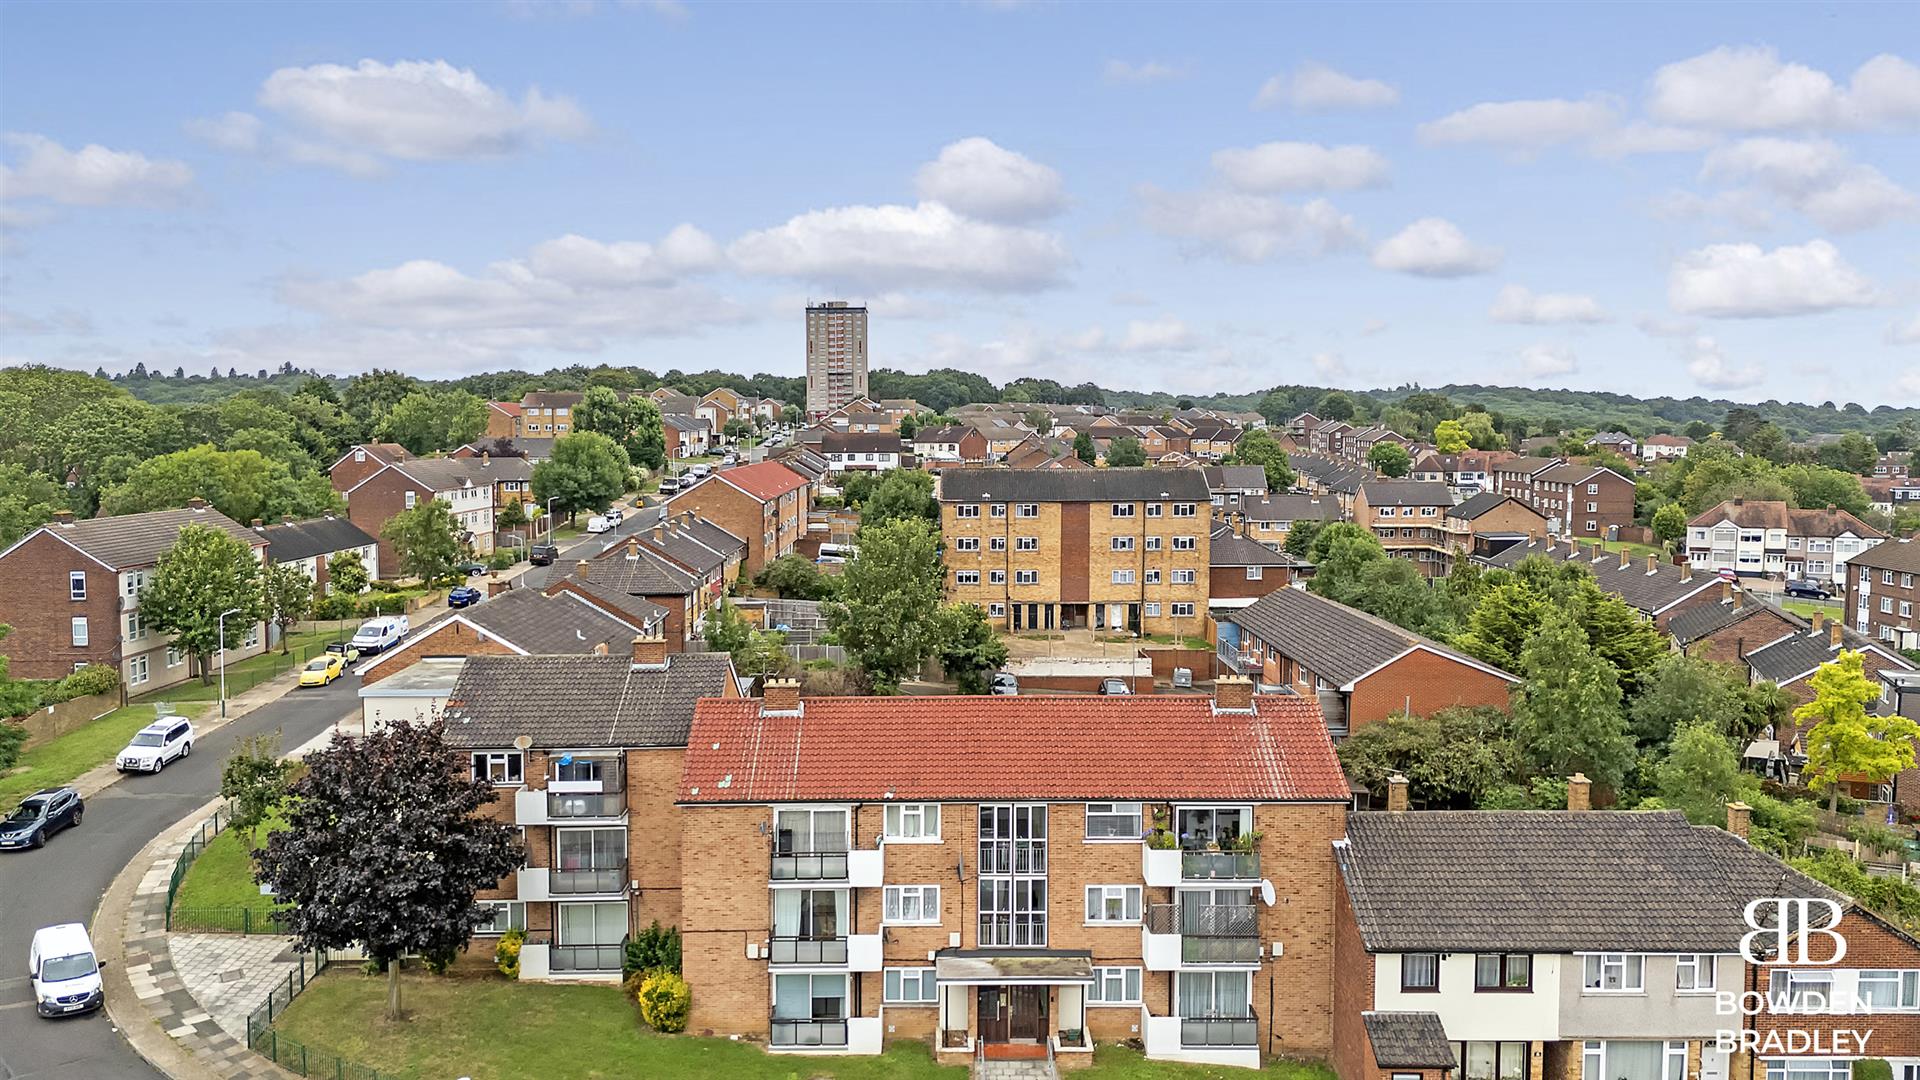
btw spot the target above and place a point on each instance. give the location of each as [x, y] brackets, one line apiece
[1791, 924]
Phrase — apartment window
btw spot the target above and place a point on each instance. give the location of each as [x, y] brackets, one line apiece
[1113, 903]
[1154, 509]
[966, 577]
[253, 636]
[1183, 611]
[1123, 577]
[1026, 577]
[1693, 973]
[1214, 993]
[503, 915]
[1420, 972]
[1626, 1059]
[1115, 986]
[175, 657]
[76, 585]
[1026, 543]
[1153, 543]
[1151, 609]
[1886, 605]
[136, 671]
[1793, 543]
[1590, 527]
[1503, 971]
[997, 611]
[1906, 581]
[1429, 511]
[910, 986]
[413, 497]
[1121, 510]
[1013, 876]
[1255, 573]
[1593, 489]
[998, 543]
[1153, 577]
[136, 580]
[805, 1003]
[136, 629]
[498, 766]
[1184, 577]
[966, 511]
[1184, 543]
[913, 821]
[1184, 509]
[1123, 543]
[80, 631]
[966, 543]
[1886, 577]
[997, 510]
[996, 577]
[1593, 508]
[1906, 609]
[1114, 821]
[1027, 510]
[1386, 511]
[912, 905]
[1615, 973]
[1817, 1069]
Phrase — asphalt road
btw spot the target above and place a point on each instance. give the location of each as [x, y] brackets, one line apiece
[63, 882]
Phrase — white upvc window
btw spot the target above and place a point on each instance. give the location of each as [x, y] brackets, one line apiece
[997, 611]
[1027, 510]
[996, 577]
[1153, 577]
[1630, 1059]
[1115, 820]
[1153, 543]
[1121, 510]
[1255, 573]
[175, 656]
[1151, 609]
[1887, 991]
[1812, 1069]
[966, 510]
[966, 543]
[136, 627]
[910, 986]
[1026, 577]
[997, 543]
[1123, 577]
[1183, 611]
[913, 821]
[137, 671]
[1122, 543]
[506, 915]
[911, 905]
[1113, 904]
[1184, 577]
[76, 584]
[135, 581]
[1693, 973]
[1185, 543]
[499, 766]
[413, 498]
[1155, 509]
[1115, 986]
[1615, 973]
[966, 577]
[1026, 543]
[1184, 509]
[996, 510]
[79, 630]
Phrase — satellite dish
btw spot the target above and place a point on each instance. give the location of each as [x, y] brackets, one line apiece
[522, 742]
[1266, 891]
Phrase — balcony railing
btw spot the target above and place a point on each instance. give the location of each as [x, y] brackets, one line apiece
[606, 804]
[809, 866]
[1205, 1031]
[1209, 933]
[807, 950]
[587, 957]
[1218, 865]
[807, 1032]
[599, 880]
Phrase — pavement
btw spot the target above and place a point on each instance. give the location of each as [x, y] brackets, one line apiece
[67, 879]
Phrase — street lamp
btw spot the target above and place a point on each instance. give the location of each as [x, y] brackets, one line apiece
[222, 622]
[550, 503]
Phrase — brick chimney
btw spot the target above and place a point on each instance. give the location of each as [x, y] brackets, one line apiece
[1739, 500]
[1653, 564]
[1233, 693]
[257, 524]
[197, 503]
[495, 586]
[63, 518]
[1579, 792]
[1833, 632]
[780, 696]
[1686, 571]
[1739, 599]
[1819, 622]
[600, 649]
[585, 570]
[1397, 793]
[1626, 558]
[1726, 592]
[1739, 817]
[650, 650]
[633, 549]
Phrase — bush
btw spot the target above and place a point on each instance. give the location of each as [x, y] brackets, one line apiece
[653, 949]
[89, 680]
[506, 953]
[665, 1001]
[336, 606]
[12, 738]
[502, 559]
[1873, 1069]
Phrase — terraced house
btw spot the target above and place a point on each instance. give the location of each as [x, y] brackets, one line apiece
[1111, 549]
[916, 868]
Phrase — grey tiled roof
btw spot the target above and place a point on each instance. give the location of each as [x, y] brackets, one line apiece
[1796, 654]
[1228, 548]
[1336, 475]
[862, 442]
[569, 701]
[1235, 477]
[1647, 593]
[1336, 642]
[1406, 493]
[1902, 555]
[1695, 623]
[132, 540]
[1480, 504]
[645, 575]
[1525, 465]
[1073, 485]
[1291, 508]
[451, 474]
[291, 540]
[1553, 881]
[1408, 1040]
[551, 625]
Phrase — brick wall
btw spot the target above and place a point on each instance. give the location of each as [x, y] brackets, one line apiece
[1702, 598]
[354, 467]
[1731, 644]
[738, 513]
[453, 639]
[375, 504]
[1870, 944]
[654, 834]
[41, 644]
[1430, 681]
[1231, 582]
[1352, 1057]
[722, 909]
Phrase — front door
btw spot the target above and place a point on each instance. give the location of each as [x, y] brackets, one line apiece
[994, 1025]
[1029, 1013]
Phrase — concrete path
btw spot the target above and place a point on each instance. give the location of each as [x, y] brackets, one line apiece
[229, 975]
[1039, 1069]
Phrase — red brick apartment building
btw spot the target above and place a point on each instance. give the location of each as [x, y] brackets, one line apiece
[765, 504]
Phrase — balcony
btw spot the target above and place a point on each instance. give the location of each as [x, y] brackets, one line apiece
[540, 959]
[1210, 1040]
[856, 952]
[1176, 935]
[860, 869]
[1168, 867]
[830, 1034]
[1207, 1032]
[574, 802]
[536, 883]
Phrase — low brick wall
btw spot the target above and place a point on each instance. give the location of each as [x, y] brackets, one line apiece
[1166, 657]
[54, 721]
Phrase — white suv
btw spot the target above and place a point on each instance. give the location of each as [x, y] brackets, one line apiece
[156, 744]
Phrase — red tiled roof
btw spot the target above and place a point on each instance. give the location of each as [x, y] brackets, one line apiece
[511, 408]
[766, 481]
[1028, 747]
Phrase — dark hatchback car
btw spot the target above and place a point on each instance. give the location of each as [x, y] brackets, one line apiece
[43, 813]
[1808, 590]
[543, 554]
[463, 596]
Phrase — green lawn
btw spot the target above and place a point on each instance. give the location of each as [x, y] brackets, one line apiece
[1120, 1063]
[57, 762]
[221, 880]
[1638, 551]
[244, 674]
[1806, 609]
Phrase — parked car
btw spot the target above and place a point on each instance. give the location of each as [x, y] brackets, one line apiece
[157, 744]
[39, 816]
[472, 567]
[616, 515]
[1004, 685]
[344, 650]
[1809, 590]
[64, 973]
[463, 596]
[669, 485]
[322, 670]
[1115, 687]
[543, 554]
[377, 635]
[700, 470]
[598, 524]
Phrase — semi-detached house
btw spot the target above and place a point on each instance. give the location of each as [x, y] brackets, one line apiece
[466, 484]
[1768, 537]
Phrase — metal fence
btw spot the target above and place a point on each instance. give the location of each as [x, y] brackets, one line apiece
[214, 920]
[807, 653]
[196, 844]
[292, 1054]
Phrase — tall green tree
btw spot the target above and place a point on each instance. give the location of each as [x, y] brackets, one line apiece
[587, 471]
[1845, 737]
[347, 574]
[1670, 524]
[429, 420]
[426, 541]
[634, 424]
[1300, 537]
[1084, 449]
[1681, 691]
[242, 484]
[254, 782]
[967, 647]
[1335, 405]
[884, 612]
[1450, 759]
[1126, 452]
[1567, 713]
[289, 598]
[371, 396]
[1701, 774]
[1451, 436]
[1390, 459]
[1257, 447]
[204, 572]
[385, 847]
[901, 493]
[1501, 623]
[28, 500]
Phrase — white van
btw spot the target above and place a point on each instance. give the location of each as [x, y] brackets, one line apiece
[598, 524]
[379, 635]
[66, 977]
[701, 470]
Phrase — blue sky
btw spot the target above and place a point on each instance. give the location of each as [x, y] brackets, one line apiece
[1647, 199]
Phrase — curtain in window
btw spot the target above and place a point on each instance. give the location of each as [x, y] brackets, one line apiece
[1480, 1060]
[1634, 1060]
[795, 831]
[1196, 993]
[1513, 1061]
[1232, 994]
[825, 914]
[786, 912]
[792, 997]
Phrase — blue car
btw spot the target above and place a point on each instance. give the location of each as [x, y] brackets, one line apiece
[463, 596]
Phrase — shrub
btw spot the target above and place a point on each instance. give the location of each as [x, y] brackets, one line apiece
[653, 949]
[503, 559]
[12, 738]
[665, 1001]
[336, 606]
[1873, 1069]
[439, 962]
[89, 680]
[506, 953]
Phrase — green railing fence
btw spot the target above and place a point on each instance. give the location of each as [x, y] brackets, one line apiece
[196, 844]
[292, 1054]
[224, 920]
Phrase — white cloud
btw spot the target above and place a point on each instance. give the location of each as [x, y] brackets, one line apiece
[1301, 166]
[1815, 177]
[882, 247]
[982, 179]
[234, 132]
[1749, 88]
[1163, 334]
[1315, 87]
[1904, 333]
[1662, 327]
[1643, 138]
[1521, 125]
[1248, 228]
[90, 176]
[1329, 365]
[412, 110]
[1146, 71]
[1434, 247]
[63, 321]
[1519, 304]
[1541, 360]
[1711, 369]
[577, 260]
[1743, 281]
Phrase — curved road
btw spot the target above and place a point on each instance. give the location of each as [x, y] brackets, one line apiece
[63, 882]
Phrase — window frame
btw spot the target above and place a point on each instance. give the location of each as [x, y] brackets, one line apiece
[513, 765]
[1127, 975]
[893, 901]
[1600, 962]
[898, 814]
[1504, 964]
[1696, 963]
[1407, 987]
[1133, 896]
[1113, 810]
[498, 906]
[79, 633]
[76, 585]
[893, 982]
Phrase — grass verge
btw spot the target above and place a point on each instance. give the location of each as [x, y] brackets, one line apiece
[220, 884]
[59, 761]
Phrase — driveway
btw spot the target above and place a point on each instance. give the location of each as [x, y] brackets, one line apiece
[63, 881]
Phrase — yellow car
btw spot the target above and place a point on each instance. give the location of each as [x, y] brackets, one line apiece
[322, 670]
